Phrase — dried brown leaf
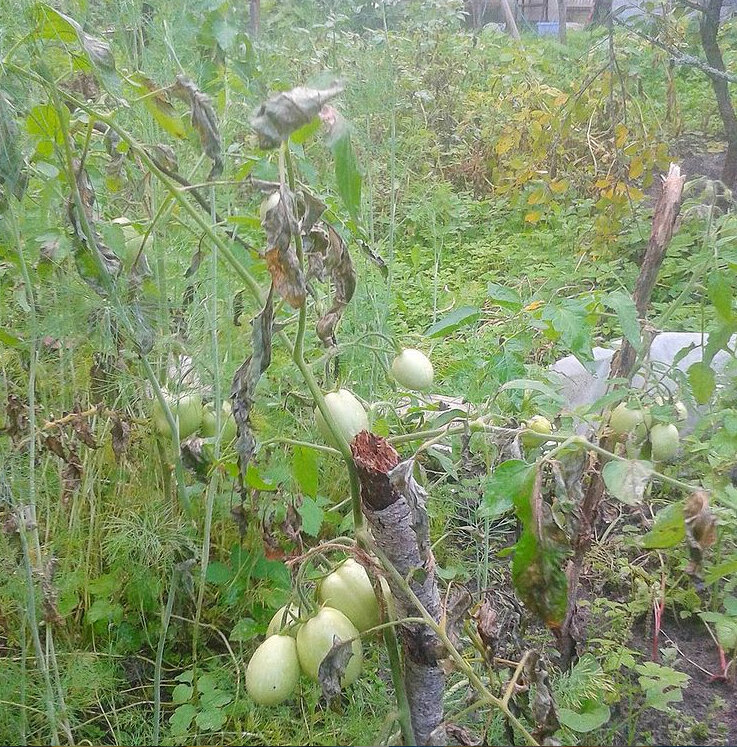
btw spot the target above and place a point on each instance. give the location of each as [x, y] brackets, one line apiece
[278, 117]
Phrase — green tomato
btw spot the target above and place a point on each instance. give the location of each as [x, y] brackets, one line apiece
[187, 409]
[664, 441]
[349, 590]
[348, 414]
[273, 671]
[540, 425]
[315, 640]
[284, 621]
[623, 420]
[228, 428]
[413, 369]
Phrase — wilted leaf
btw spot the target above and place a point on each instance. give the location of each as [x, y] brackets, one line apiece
[204, 120]
[245, 380]
[279, 223]
[334, 259]
[626, 480]
[120, 434]
[53, 24]
[278, 117]
[333, 667]
[537, 572]
[542, 703]
[701, 529]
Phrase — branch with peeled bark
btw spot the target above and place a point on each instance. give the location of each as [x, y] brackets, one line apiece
[394, 507]
[623, 367]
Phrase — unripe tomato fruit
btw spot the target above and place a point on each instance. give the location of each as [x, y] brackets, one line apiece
[186, 408]
[623, 420]
[539, 424]
[282, 623]
[413, 369]
[664, 441]
[348, 414]
[228, 428]
[349, 590]
[273, 671]
[315, 640]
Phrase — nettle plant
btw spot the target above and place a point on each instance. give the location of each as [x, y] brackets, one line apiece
[382, 578]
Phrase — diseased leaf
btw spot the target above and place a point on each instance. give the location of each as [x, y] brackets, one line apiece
[204, 120]
[626, 480]
[53, 24]
[333, 667]
[327, 245]
[278, 117]
[537, 572]
[245, 380]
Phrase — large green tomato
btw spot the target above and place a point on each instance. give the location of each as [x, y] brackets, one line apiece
[623, 420]
[349, 590]
[315, 640]
[413, 369]
[664, 441]
[348, 414]
[187, 408]
[284, 623]
[228, 428]
[538, 424]
[273, 671]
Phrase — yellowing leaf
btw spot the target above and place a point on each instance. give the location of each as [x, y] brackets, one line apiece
[602, 183]
[533, 305]
[558, 186]
[533, 216]
[537, 197]
[620, 135]
[636, 168]
[505, 144]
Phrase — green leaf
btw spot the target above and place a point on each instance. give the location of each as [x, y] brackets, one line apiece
[244, 630]
[347, 176]
[460, 317]
[182, 718]
[255, 481]
[594, 716]
[726, 628]
[304, 133]
[215, 698]
[9, 339]
[158, 104]
[210, 720]
[662, 685]
[181, 693]
[206, 683]
[702, 381]
[623, 305]
[535, 386]
[669, 529]
[312, 516]
[218, 573]
[186, 676]
[626, 480]
[507, 298]
[510, 479]
[720, 294]
[722, 570]
[570, 321]
[305, 468]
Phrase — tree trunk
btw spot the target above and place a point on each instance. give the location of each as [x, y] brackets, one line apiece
[602, 12]
[709, 28]
[254, 17]
[562, 20]
[509, 18]
[394, 506]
